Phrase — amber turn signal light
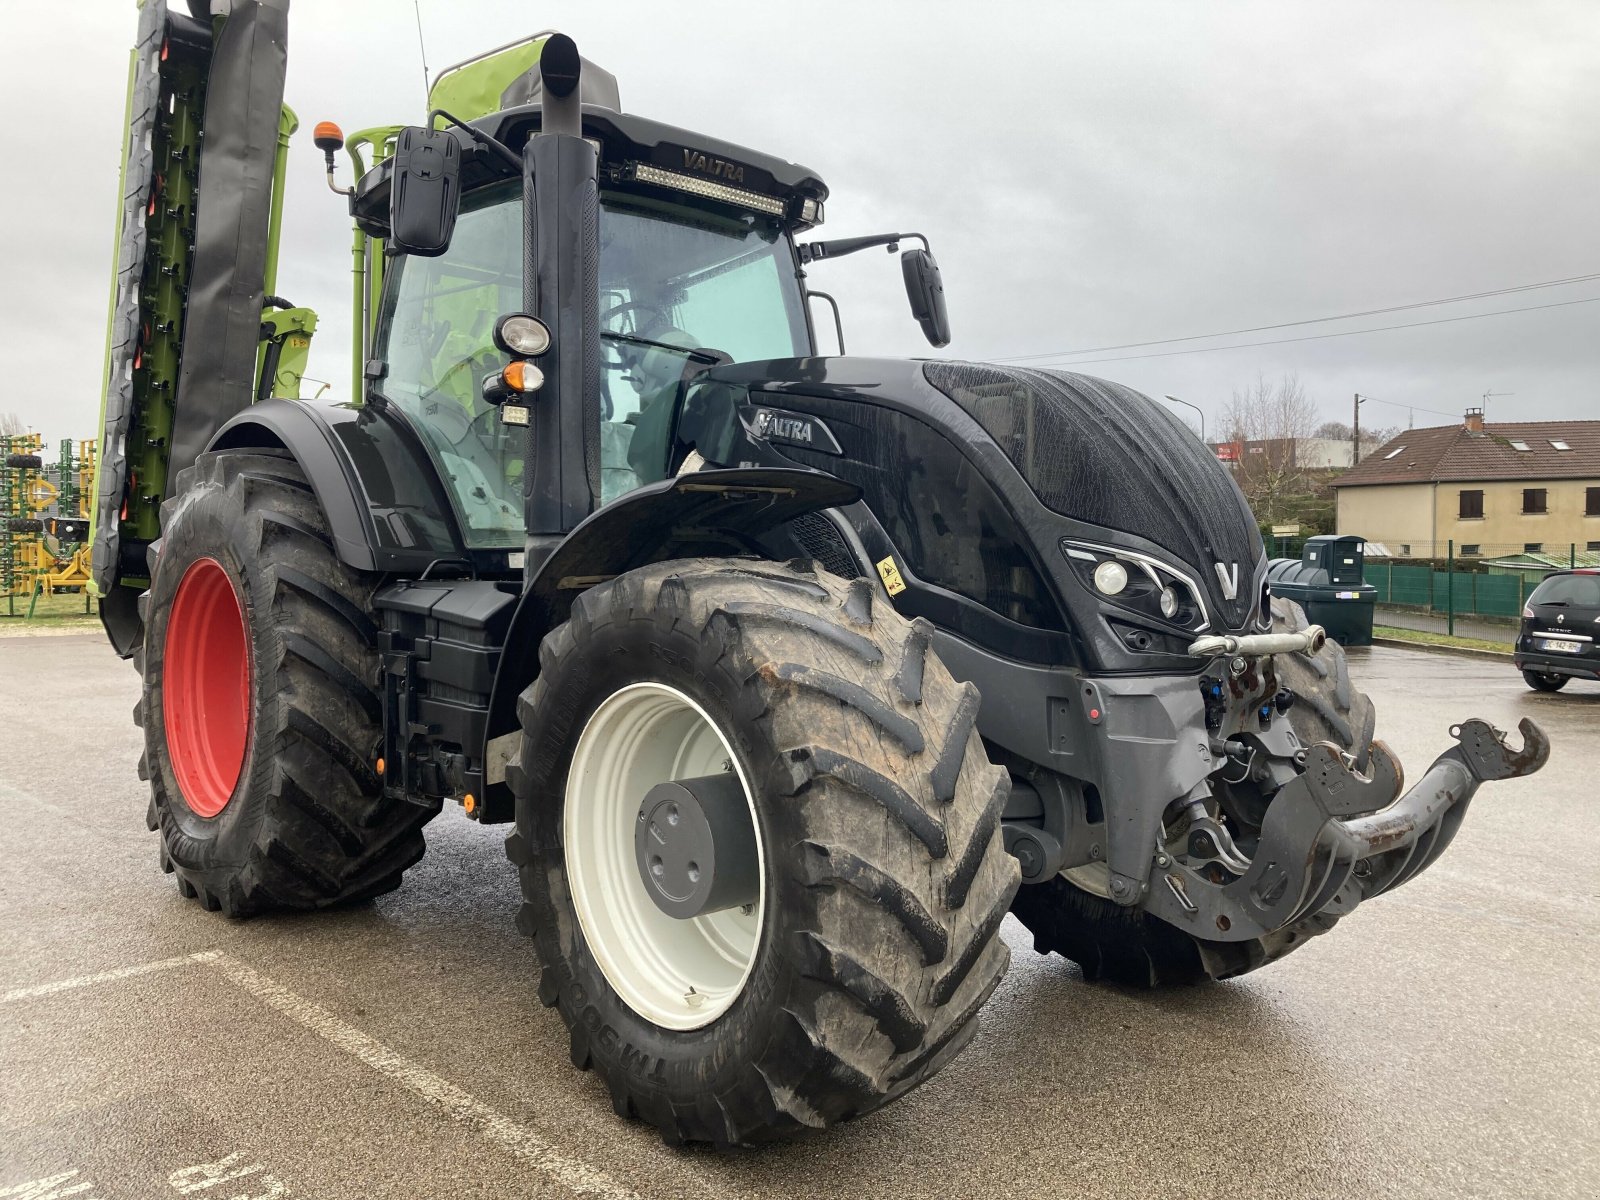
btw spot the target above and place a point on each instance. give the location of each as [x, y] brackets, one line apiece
[522, 376]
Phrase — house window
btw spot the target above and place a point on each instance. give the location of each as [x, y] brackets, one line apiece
[1535, 500]
[1533, 547]
[1519, 444]
[1471, 505]
[1395, 451]
[1593, 546]
[1591, 502]
[1471, 549]
[1405, 549]
[1559, 445]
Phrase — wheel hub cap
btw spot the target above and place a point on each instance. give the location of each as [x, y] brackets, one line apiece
[695, 846]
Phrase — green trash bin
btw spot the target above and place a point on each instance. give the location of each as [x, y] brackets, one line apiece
[1326, 581]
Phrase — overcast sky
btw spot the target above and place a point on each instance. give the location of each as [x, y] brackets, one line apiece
[1090, 174]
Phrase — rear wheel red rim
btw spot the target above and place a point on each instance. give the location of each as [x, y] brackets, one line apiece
[205, 687]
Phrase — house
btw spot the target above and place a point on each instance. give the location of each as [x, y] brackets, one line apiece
[1526, 487]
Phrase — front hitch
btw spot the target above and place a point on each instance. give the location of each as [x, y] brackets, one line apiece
[1333, 837]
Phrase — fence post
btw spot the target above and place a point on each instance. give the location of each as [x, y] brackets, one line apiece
[1572, 554]
[1450, 589]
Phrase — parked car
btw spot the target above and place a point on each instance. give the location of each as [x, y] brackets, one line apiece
[1560, 637]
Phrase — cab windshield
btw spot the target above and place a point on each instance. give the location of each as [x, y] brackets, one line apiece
[678, 285]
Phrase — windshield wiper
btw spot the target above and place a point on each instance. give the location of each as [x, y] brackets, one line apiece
[709, 357]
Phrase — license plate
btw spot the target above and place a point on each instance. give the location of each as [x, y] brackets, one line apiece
[1560, 645]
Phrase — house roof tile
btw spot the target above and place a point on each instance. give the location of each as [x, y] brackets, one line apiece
[1454, 453]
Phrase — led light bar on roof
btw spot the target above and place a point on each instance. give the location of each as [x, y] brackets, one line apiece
[770, 205]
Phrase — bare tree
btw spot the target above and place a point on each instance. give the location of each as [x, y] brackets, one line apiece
[11, 425]
[1334, 431]
[1266, 421]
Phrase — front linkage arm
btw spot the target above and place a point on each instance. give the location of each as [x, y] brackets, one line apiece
[1334, 837]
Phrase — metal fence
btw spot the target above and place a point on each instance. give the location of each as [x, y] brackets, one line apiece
[1487, 581]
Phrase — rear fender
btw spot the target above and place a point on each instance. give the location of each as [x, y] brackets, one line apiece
[384, 501]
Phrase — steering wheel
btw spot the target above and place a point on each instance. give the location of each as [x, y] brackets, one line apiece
[660, 316]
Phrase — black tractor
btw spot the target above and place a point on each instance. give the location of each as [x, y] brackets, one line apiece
[793, 674]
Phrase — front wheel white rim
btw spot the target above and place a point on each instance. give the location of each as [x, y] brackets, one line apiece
[678, 974]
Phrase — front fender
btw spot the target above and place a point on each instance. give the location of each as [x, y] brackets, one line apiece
[716, 513]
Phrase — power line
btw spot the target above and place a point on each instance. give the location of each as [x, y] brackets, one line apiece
[1371, 312]
[1316, 337]
[1438, 412]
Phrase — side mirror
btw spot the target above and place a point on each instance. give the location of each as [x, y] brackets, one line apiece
[925, 290]
[424, 191]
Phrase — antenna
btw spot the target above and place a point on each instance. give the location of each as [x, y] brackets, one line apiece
[427, 88]
[1486, 396]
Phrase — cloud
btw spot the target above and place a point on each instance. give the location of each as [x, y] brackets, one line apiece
[1089, 174]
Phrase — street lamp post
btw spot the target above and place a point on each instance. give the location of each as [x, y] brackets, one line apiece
[1198, 413]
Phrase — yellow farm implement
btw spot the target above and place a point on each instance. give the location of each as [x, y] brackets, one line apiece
[44, 519]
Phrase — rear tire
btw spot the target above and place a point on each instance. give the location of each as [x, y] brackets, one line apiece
[885, 878]
[275, 804]
[25, 525]
[25, 462]
[1128, 946]
[1544, 683]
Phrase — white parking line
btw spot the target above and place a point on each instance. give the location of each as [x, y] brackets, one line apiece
[81, 981]
[527, 1144]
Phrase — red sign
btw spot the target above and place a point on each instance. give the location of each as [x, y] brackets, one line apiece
[1228, 452]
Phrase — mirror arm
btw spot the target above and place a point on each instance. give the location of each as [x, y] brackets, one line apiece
[493, 145]
[837, 248]
[838, 321]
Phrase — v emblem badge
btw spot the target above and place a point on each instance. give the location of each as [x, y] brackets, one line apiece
[1228, 576]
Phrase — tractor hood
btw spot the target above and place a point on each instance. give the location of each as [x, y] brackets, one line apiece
[1120, 468]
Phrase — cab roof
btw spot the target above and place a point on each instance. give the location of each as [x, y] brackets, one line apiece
[685, 161]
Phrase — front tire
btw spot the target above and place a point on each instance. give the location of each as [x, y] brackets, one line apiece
[1128, 946]
[872, 941]
[260, 708]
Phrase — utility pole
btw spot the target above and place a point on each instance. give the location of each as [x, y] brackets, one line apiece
[1355, 432]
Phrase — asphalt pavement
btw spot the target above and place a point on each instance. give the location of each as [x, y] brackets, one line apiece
[1442, 1041]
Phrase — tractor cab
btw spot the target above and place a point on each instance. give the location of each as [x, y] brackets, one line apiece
[696, 266]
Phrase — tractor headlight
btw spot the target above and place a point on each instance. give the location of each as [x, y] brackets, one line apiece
[1138, 583]
[1111, 577]
[518, 333]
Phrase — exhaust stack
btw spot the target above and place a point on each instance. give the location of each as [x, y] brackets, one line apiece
[560, 285]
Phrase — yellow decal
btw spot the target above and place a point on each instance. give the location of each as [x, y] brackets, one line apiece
[890, 572]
